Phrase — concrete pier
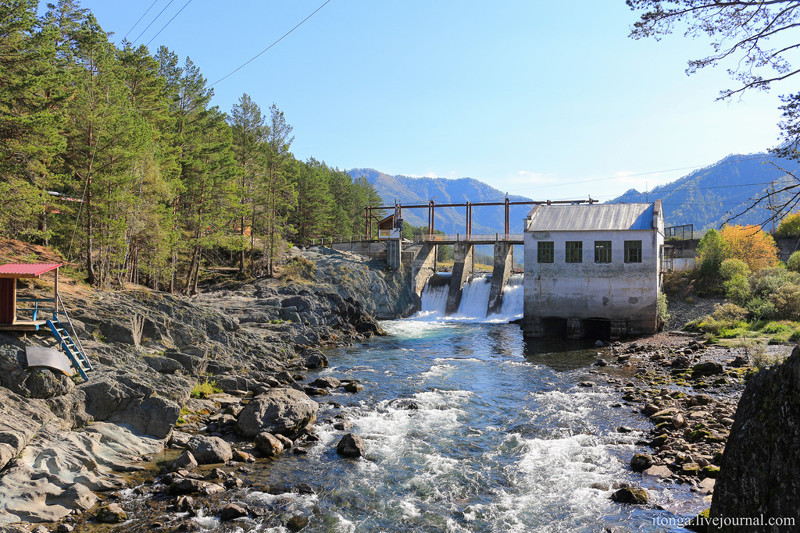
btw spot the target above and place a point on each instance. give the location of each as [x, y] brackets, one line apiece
[423, 267]
[464, 265]
[393, 254]
[503, 262]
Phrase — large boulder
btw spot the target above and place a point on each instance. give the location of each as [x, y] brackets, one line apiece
[43, 383]
[284, 411]
[268, 444]
[760, 470]
[352, 446]
[210, 450]
[312, 358]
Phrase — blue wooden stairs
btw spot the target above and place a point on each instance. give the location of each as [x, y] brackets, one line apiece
[71, 344]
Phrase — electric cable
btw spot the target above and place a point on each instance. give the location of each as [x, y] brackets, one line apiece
[152, 21]
[240, 67]
[140, 19]
[167, 24]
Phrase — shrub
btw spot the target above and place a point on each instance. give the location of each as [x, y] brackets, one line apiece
[727, 320]
[793, 263]
[768, 281]
[761, 309]
[299, 268]
[663, 313]
[710, 253]
[787, 301]
[204, 389]
[729, 312]
[737, 289]
[789, 226]
[751, 245]
[733, 267]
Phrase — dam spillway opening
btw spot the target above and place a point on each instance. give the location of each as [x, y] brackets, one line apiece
[474, 304]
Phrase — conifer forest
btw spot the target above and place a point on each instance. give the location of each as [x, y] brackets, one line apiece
[115, 156]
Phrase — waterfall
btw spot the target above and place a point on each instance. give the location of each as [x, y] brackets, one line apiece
[474, 299]
[434, 296]
[513, 294]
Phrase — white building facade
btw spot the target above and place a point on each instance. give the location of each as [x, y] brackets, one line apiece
[593, 270]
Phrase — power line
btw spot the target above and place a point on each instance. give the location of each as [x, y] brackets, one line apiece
[140, 19]
[240, 67]
[167, 24]
[152, 21]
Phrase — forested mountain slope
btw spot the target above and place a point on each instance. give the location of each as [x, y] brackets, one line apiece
[710, 196]
[408, 191]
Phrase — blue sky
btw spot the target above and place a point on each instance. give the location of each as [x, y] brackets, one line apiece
[549, 100]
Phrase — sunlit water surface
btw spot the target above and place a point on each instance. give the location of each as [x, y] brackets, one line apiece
[497, 442]
[467, 428]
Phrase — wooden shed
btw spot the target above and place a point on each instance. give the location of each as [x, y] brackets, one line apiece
[390, 228]
[25, 314]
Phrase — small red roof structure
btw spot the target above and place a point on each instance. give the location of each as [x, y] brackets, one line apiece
[27, 270]
[9, 274]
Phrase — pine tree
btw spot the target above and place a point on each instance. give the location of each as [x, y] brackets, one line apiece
[311, 218]
[250, 131]
[207, 202]
[104, 137]
[155, 174]
[278, 194]
[30, 120]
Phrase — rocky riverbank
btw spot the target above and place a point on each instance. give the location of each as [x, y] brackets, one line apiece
[689, 391]
[64, 447]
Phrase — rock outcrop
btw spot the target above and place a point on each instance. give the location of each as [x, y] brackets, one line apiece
[61, 442]
[284, 411]
[760, 471]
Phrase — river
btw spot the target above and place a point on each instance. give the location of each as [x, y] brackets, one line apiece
[468, 428]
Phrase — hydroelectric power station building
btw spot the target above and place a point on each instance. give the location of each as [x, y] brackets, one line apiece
[593, 270]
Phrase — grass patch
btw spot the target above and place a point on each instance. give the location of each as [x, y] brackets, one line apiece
[729, 321]
[204, 389]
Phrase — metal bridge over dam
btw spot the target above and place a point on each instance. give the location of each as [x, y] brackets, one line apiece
[422, 254]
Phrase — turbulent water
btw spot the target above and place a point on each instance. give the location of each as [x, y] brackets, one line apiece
[467, 428]
[474, 300]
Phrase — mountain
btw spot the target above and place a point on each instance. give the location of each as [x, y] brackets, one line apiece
[410, 191]
[708, 197]
[705, 198]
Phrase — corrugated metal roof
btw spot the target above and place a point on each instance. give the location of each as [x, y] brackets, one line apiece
[26, 270]
[596, 217]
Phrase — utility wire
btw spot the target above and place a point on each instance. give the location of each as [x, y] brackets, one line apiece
[140, 19]
[240, 67]
[167, 24]
[152, 21]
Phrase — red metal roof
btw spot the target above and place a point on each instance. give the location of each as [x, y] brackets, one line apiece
[26, 270]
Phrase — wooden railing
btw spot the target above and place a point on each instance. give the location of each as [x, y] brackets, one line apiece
[35, 309]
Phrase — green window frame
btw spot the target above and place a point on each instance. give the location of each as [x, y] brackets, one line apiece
[574, 252]
[602, 251]
[633, 251]
[545, 252]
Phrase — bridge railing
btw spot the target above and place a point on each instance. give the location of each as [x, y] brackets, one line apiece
[472, 237]
[327, 241]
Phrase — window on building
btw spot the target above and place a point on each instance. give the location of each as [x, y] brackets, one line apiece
[574, 252]
[633, 251]
[602, 251]
[545, 252]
